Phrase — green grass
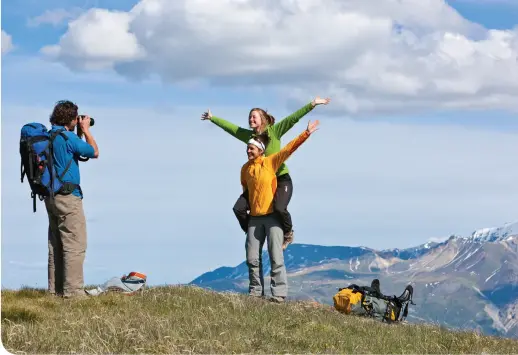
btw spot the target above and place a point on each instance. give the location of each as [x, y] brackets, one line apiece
[183, 319]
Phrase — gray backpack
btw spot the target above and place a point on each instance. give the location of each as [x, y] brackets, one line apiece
[379, 306]
[129, 285]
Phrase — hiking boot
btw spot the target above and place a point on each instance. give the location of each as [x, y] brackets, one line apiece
[288, 239]
[79, 295]
[277, 299]
[54, 294]
[260, 297]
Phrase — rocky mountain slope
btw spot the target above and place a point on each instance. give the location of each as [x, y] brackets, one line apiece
[464, 282]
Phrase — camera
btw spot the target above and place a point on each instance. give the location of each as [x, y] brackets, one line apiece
[92, 121]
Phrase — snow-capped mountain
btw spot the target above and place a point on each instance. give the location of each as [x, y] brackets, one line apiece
[495, 234]
[410, 253]
[463, 282]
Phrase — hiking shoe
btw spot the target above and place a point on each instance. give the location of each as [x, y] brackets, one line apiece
[54, 294]
[277, 299]
[288, 239]
[79, 295]
[259, 297]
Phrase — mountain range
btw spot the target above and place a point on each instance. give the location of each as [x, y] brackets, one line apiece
[468, 282]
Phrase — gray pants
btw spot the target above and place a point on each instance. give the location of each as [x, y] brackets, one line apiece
[260, 229]
[67, 245]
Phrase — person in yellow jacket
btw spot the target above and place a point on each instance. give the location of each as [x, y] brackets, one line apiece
[258, 176]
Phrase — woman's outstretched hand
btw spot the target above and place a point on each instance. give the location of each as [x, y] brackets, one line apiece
[319, 101]
[206, 115]
[312, 126]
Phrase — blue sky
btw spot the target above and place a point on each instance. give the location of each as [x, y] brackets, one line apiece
[418, 142]
[496, 14]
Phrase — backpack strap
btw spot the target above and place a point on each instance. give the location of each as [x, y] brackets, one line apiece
[33, 195]
[53, 136]
[22, 170]
[57, 132]
[407, 298]
[407, 294]
[368, 310]
[375, 285]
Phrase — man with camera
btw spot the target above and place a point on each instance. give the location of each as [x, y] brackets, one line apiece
[67, 222]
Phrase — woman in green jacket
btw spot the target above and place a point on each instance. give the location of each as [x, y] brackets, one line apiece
[260, 122]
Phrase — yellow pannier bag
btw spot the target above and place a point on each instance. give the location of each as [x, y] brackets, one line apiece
[345, 298]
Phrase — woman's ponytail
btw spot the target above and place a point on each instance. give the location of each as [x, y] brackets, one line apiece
[271, 119]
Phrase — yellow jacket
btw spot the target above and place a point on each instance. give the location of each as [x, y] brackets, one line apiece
[258, 176]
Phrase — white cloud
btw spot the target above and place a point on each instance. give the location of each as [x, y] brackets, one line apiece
[7, 42]
[382, 57]
[101, 37]
[54, 17]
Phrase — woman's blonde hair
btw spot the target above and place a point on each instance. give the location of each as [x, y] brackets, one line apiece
[266, 118]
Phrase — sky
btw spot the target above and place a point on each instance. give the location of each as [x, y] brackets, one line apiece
[418, 143]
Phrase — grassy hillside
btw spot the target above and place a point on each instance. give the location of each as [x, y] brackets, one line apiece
[189, 319]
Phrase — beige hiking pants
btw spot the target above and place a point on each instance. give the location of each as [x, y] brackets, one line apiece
[67, 245]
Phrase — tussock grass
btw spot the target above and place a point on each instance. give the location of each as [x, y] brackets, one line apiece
[187, 319]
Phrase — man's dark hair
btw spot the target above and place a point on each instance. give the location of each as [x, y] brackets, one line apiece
[64, 112]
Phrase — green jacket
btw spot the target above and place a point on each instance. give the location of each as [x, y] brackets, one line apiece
[275, 132]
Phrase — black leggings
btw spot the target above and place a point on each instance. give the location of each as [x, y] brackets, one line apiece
[280, 205]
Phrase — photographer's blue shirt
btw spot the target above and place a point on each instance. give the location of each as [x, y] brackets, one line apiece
[72, 148]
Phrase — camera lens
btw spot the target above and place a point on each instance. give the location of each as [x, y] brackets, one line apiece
[92, 121]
